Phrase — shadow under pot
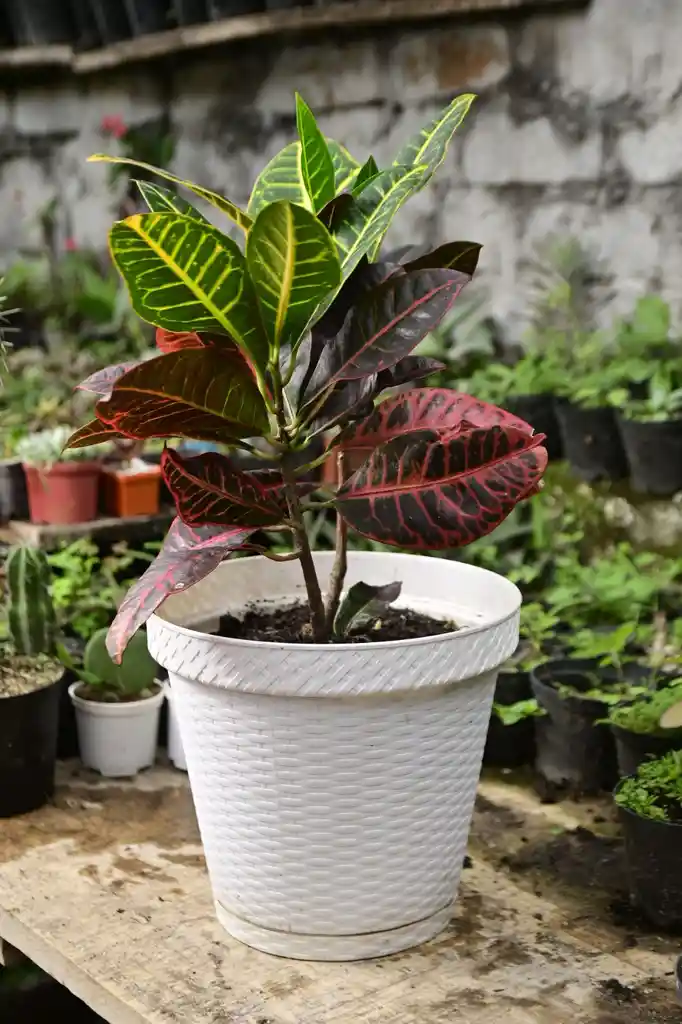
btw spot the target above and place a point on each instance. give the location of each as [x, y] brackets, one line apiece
[633, 748]
[592, 442]
[653, 854]
[654, 452]
[540, 412]
[573, 752]
[510, 746]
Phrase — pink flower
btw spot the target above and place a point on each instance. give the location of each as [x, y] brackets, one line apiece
[113, 124]
[70, 244]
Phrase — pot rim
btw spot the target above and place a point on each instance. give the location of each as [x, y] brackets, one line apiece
[373, 645]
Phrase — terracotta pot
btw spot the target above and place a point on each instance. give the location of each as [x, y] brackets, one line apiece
[132, 494]
[65, 493]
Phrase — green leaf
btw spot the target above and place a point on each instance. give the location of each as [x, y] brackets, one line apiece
[345, 166]
[240, 218]
[282, 178]
[316, 161]
[162, 200]
[368, 172]
[427, 149]
[293, 264]
[366, 221]
[187, 276]
[363, 599]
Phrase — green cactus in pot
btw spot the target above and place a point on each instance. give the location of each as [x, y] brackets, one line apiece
[28, 658]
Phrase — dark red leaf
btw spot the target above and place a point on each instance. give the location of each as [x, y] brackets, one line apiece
[102, 381]
[462, 256]
[208, 394]
[407, 370]
[421, 491]
[188, 555]
[431, 408]
[94, 432]
[174, 341]
[386, 325]
[209, 491]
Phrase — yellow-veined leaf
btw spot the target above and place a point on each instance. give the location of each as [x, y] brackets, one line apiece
[162, 200]
[428, 147]
[346, 167]
[282, 178]
[316, 162]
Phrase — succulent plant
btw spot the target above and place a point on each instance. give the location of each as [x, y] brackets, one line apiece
[46, 447]
[31, 614]
[132, 677]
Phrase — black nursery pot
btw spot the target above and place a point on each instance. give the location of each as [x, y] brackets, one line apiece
[13, 497]
[540, 412]
[653, 853]
[572, 750]
[632, 748]
[510, 746]
[147, 16]
[592, 442]
[28, 748]
[36, 22]
[654, 452]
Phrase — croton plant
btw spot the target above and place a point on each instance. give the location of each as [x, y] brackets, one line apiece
[289, 335]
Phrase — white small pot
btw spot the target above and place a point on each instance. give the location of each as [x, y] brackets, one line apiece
[176, 752]
[117, 739]
[334, 784]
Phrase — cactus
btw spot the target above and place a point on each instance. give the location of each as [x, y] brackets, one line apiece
[31, 614]
[136, 672]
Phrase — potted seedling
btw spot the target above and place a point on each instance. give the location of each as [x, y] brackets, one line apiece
[336, 661]
[650, 810]
[29, 686]
[131, 486]
[117, 708]
[62, 485]
[651, 428]
[646, 727]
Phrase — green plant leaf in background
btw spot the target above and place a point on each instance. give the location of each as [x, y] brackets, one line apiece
[225, 206]
[187, 276]
[282, 178]
[428, 147]
[293, 264]
[162, 200]
[316, 162]
[345, 166]
[368, 172]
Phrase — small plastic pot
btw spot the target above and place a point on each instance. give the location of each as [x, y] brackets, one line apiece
[117, 739]
[28, 749]
[540, 412]
[654, 452]
[510, 746]
[147, 16]
[592, 442]
[653, 854]
[39, 22]
[67, 492]
[131, 494]
[632, 748]
[572, 750]
[176, 751]
[13, 494]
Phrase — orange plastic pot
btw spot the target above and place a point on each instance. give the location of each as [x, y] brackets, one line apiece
[132, 494]
[67, 492]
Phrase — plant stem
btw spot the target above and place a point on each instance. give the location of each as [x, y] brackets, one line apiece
[312, 585]
[340, 567]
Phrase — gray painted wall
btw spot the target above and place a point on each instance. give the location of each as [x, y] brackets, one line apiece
[578, 129]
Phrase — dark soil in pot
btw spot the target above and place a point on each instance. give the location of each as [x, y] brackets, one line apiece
[632, 748]
[573, 752]
[510, 746]
[13, 496]
[592, 442]
[291, 625]
[653, 852]
[654, 452]
[30, 691]
[540, 412]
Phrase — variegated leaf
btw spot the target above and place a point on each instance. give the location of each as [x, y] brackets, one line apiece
[162, 200]
[368, 172]
[316, 161]
[94, 432]
[346, 167]
[282, 178]
[427, 149]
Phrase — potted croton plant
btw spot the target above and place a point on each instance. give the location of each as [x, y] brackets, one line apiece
[339, 715]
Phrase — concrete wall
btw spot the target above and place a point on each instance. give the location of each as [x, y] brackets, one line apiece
[578, 130]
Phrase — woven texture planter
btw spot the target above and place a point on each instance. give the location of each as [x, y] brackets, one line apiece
[334, 785]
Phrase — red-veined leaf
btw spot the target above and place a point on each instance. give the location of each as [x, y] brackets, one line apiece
[207, 394]
[209, 491]
[94, 432]
[425, 408]
[188, 555]
[386, 325]
[462, 256]
[424, 492]
[102, 381]
[173, 341]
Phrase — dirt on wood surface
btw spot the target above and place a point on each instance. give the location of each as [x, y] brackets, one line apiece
[291, 625]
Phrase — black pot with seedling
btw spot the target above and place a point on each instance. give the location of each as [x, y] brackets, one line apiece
[648, 727]
[592, 442]
[651, 429]
[30, 676]
[650, 810]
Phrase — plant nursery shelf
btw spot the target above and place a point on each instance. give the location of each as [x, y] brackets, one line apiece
[345, 14]
[134, 529]
[106, 890]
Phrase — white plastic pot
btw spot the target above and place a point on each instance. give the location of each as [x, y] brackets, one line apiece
[117, 740]
[334, 785]
[176, 752]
